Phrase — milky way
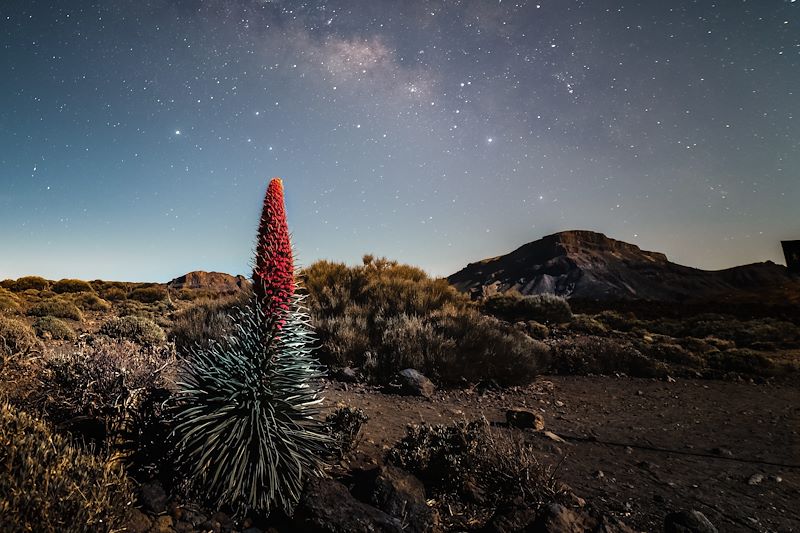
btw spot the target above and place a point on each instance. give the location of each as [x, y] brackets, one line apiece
[137, 138]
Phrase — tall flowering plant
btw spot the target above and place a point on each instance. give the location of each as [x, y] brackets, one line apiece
[246, 425]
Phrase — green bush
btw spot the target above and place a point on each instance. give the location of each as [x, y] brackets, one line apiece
[512, 306]
[9, 302]
[16, 337]
[148, 295]
[56, 307]
[30, 282]
[135, 328]
[89, 301]
[53, 328]
[49, 484]
[71, 285]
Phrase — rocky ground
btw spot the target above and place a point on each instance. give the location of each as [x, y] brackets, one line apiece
[637, 448]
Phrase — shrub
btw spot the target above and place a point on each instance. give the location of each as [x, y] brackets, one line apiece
[71, 285]
[345, 425]
[48, 484]
[148, 295]
[114, 294]
[477, 465]
[9, 303]
[618, 321]
[89, 301]
[56, 307]
[134, 328]
[513, 306]
[599, 355]
[53, 328]
[742, 361]
[536, 330]
[204, 322]
[16, 337]
[30, 282]
[587, 324]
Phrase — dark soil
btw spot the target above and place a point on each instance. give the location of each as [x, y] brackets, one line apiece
[636, 448]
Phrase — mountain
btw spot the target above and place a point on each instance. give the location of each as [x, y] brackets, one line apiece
[212, 281]
[589, 265]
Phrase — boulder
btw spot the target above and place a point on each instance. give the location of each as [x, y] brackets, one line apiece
[691, 521]
[326, 506]
[397, 493]
[524, 419]
[414, 383]
[153, 497]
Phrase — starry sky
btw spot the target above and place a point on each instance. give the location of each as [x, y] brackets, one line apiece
[137, 137]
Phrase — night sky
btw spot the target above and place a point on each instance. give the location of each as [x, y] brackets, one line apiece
[137, 137]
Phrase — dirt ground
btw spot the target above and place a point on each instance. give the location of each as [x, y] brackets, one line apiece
[636, 448]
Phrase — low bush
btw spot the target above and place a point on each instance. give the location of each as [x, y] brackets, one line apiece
[587, 324]
[16, 337]
[48, 327]
[512, 306]
[600, 355]
[536, 330]
[204, 322]
[742, 361]
[134, 328]
[49, 484]
[71, 285]
[9, 303]
[345, 425]
[618, 321]
[89, 301]
[56, 307]
[114, 294]
[475, 464]
[148, 295]
[29, 282]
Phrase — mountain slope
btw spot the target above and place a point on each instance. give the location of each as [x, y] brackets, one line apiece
[585, 264]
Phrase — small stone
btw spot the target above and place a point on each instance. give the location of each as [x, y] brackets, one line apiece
[776, 478]
[153, 497]
[138, 522]
[523, 419]
[162, 524]
[755, 479]
[559, 403]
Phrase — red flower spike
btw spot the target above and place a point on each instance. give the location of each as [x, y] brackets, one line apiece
[273, 275]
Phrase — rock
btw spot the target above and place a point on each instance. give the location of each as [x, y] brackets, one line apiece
[162, 524]
[688, 522]
[138, 522]
[552, 436]
[326, 506]
[397, 493]
[556, 518]
[414, 383]
[347, 375]
[755, 479]
[723, 452]
[153, 497]
[524, 419]
[211, 281]
[559, 403]
[508, 520]
[225, 522]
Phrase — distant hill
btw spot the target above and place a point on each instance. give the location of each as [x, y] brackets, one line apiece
[589, 265]
[212, 281]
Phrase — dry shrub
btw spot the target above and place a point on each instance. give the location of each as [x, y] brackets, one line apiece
[345, 425]
[29, 282]
[513, 306]
[89, 301]
[9, 303]
[48, 327]
[204, 322]
[16, 337]
[56, 307]
[49, 484]
[599, 355]
[148, 295]
[746, 361]
[587, 324]
[134, 328]
[114, 294]
[71, 285]
[618, 321]
[475, 465]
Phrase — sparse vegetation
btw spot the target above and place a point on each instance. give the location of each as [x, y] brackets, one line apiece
[204, 322]
[600, 355]
[513, 306]
[71, 285]
[56, 307]
[148, 295]
[16, 337]
[49, 484]
[135, 328]
[345, 425]
[29, 282]
[48, 327]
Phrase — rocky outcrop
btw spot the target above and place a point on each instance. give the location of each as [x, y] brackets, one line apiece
[585, 264]
[212, 281]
